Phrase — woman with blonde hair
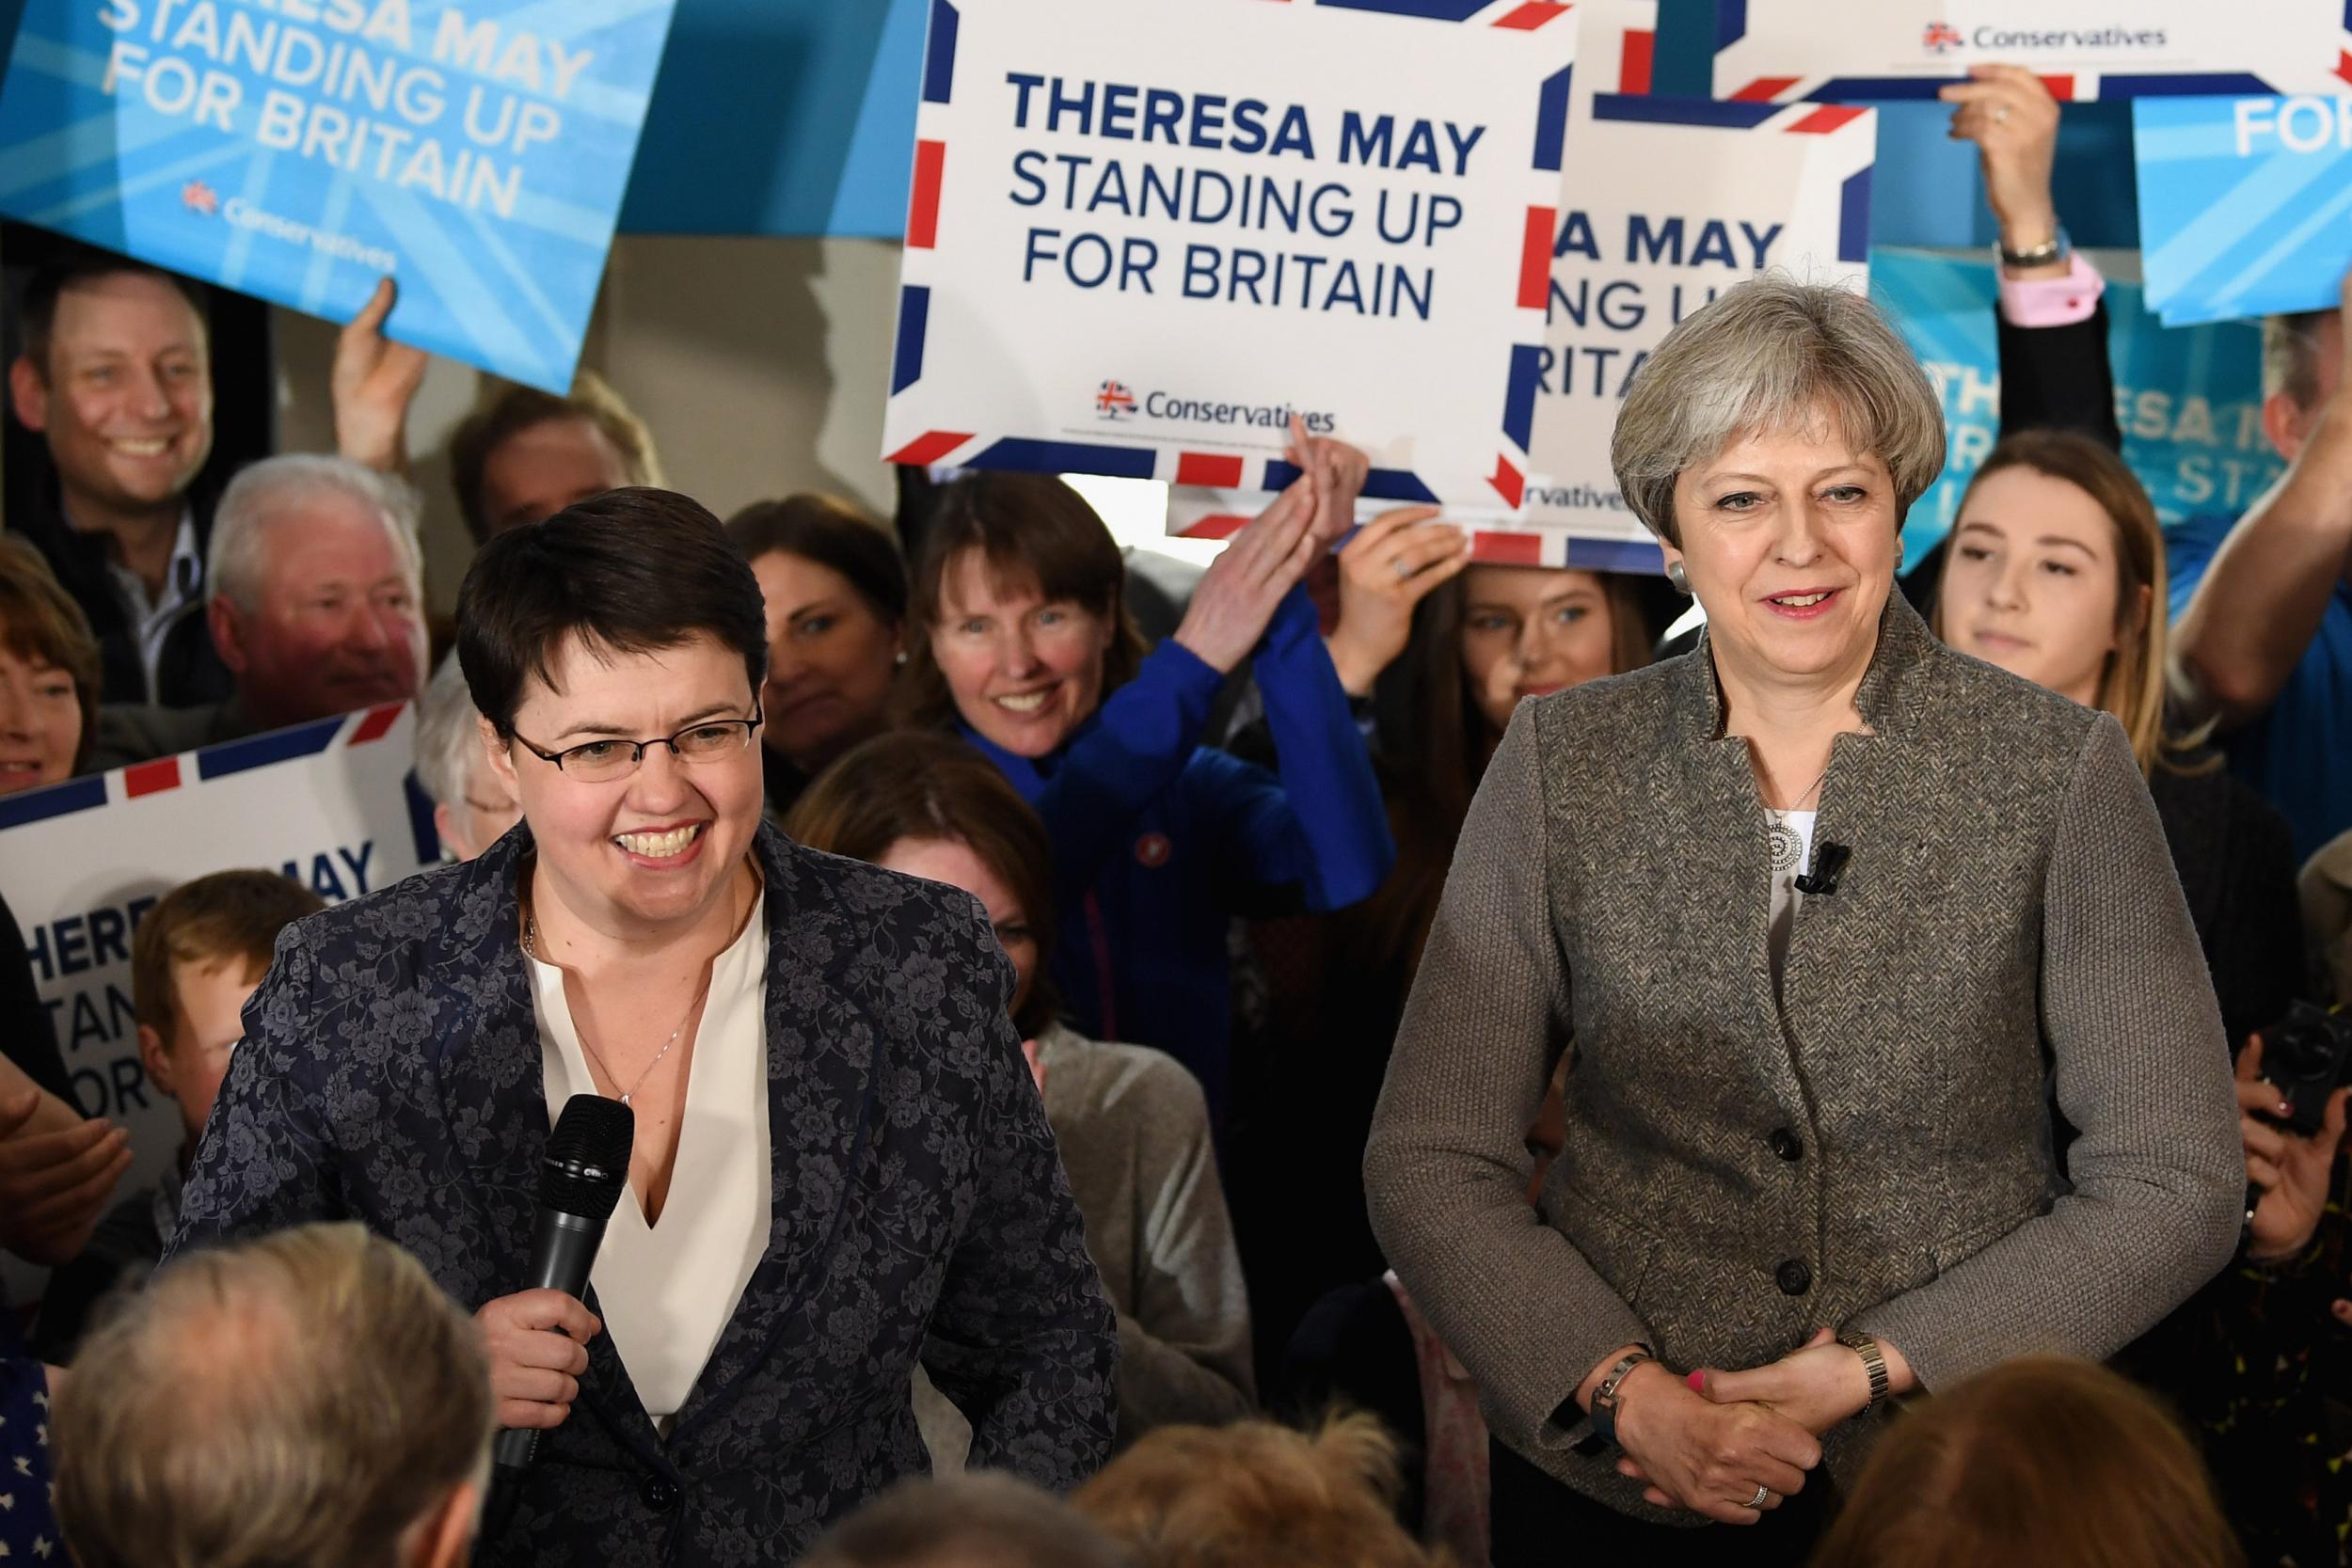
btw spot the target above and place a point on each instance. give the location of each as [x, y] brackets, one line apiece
[2056, 572]
[2045, 1460]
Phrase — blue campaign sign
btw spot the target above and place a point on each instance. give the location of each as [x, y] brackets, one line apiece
[2245, 203]
[2190, 399]
[297, 149]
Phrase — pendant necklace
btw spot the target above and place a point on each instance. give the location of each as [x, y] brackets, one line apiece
[530, 948]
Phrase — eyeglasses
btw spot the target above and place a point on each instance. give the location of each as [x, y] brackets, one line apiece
[602, 761]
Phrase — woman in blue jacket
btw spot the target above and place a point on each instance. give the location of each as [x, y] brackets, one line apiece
[1023, 643]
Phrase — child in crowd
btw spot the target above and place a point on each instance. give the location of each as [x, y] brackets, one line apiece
[195, 959]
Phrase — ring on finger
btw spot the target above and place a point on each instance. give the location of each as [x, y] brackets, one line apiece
[2000, 113]
[1763, 1495]
[1404, 567]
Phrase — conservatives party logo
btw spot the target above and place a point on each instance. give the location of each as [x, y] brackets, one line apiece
[1112, 400]
[200, 198]
[1941, 38]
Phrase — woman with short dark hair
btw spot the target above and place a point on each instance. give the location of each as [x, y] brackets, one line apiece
[840, 1167]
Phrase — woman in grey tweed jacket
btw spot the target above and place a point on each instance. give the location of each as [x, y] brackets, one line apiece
[1830, 916]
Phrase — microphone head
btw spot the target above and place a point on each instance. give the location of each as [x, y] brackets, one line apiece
[587, 1158]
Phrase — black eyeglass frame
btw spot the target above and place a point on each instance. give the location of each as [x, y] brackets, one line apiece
[637, 759]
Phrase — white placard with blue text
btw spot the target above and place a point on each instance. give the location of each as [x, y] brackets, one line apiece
[1773, 51]
[2245, 204]
[325, 802]
[1141, 235]
[1668, 203]
[299, 149]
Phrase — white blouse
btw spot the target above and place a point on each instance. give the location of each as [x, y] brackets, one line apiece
[668, 1290]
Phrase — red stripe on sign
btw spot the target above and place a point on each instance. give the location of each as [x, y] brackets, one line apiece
[1827, 119]
[377, 724]
[1218, 524]
[1765, 89]
[1633, 66]
[2061, 87]
[1532, 15]
[1508, 482]
[930, 447]
[1535, 261]
[2344, 65]
[923, 206]
[150, 778]
[1507, 550]
[1210, 468]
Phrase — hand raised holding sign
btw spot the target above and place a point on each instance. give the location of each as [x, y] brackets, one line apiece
[2007, 112]
[1238, 593]
[372, 385]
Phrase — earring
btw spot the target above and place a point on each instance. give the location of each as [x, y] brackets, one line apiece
[1898, 552]
[1680, 579]
[901, 658]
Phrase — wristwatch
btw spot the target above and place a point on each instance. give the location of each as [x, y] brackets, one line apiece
[2049, 253]
[1873, 1362]
[1605, 1402]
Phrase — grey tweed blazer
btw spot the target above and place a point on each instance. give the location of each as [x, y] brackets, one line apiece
[1873, 1150]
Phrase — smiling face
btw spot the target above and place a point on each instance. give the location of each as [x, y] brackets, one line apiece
[1788, 541]
[954, 863]
[1024, 671]
[544, 467]
[1530, 630]
[2032, 582]
[654, 850]
[335, 623]
[125, 401]
[41, 721]
[830, 661]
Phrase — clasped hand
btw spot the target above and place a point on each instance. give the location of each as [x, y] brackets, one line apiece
[1708, 1443]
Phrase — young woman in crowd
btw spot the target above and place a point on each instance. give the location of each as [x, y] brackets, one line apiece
[49, 674]
[836, 598]
[1131, 1123]
[2055, 571]
[2045, 1460]
[1024, 647]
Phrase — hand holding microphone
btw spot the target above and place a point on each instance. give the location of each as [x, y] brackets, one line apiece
[536, 1342]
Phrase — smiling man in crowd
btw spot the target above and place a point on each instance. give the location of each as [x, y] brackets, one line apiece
[316, 607]
[115, 378]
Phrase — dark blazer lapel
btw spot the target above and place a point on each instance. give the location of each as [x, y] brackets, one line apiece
[822, 1065]
[493, 1088]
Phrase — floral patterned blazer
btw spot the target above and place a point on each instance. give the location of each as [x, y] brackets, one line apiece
[392, 1074]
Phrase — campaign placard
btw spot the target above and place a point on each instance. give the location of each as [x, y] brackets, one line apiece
[2245, 204]
[2188, 399]
[1142, 236]
[326, 803]
[1668, 203]
[1773, 51]
[299, 149]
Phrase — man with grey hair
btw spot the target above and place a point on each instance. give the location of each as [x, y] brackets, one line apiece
[316, 607]
[2263, 639]
[307, 1399]
[471, 807]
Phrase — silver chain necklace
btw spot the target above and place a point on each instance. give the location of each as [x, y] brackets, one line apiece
[531, 946]
[1784, 846]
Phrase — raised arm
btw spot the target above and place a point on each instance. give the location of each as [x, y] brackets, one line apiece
[1022, 1339]
[2141, 1070]
[2259, 604]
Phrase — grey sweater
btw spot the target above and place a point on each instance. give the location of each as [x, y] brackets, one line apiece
[1134, 1131]
[1869, 1150]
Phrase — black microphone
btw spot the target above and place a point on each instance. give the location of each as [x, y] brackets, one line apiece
[579, 1182]
[1829, 863]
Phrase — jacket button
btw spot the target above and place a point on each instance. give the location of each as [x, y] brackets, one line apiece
[1784, 1144]
[660, 1495]
[1795, 1279]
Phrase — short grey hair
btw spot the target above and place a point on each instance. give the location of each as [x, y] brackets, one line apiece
[2291, 355]
[449, 737]
[979, 1519]
[1769, 355]
[299, 1399]
[262, 489]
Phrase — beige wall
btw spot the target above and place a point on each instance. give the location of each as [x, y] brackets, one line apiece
[761, 365]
